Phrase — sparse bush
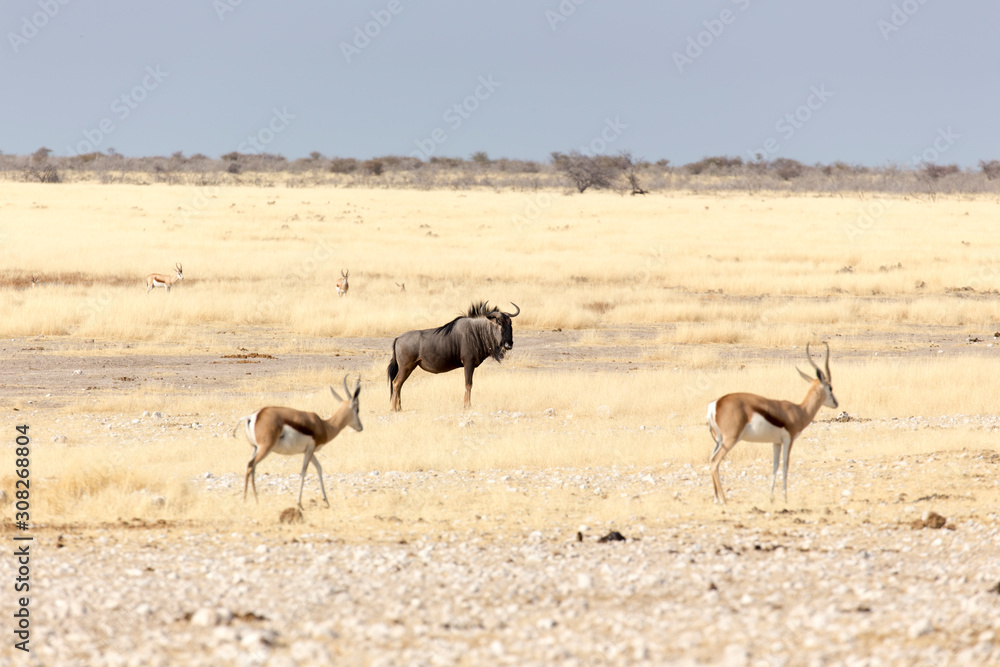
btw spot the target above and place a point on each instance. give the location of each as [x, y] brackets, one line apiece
[343, 165]
[934, 172]
[46, 174]
[374, 166]
[480, 157]
[719, 164]
[991, 169]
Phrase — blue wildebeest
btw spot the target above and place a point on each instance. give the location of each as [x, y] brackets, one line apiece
[465, 342]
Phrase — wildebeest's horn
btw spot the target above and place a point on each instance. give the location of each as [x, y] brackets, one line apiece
[518, 310]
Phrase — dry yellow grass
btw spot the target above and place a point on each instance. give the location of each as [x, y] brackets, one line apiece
[258, 256]
[699, 293]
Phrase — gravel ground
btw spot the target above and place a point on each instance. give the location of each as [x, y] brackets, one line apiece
[858, 585]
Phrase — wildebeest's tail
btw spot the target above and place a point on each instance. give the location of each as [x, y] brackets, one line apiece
[393, 367]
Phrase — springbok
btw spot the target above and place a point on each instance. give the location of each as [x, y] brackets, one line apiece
[342, 285]
[753, 418]
[288, 432]
[465, 342]
[163, 280]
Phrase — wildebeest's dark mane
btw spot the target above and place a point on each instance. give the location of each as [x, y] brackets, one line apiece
[481, 309]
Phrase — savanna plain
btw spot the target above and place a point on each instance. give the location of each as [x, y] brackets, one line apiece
[473, 536]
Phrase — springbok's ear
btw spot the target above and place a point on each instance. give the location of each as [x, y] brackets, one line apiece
[335, 394]
[805, 376]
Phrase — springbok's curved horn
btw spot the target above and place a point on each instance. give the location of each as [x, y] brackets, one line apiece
[180, 267]
[818, 371]
[357, 386]
[346, 390]
[827, 361]
[336, 395]
[518, 310]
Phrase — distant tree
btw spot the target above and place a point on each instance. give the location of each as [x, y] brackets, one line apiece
[41, 155]
[628, 166]
[480, 157]
[315, 156]
[373, 166]
[787, 168]
[991, 169]
[586, 171]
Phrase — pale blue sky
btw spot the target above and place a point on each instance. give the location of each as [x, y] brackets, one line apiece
[278, 72]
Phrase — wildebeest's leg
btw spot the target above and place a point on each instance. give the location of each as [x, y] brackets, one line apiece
[397, 385]
[469, 369]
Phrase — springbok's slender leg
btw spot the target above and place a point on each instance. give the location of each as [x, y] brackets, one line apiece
[319, 472]
[721, 449]
[251, 475]
[305, 465]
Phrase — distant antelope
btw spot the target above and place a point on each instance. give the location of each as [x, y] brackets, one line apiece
[163, 280]
[34, 281]
[287, 432]
[342, 285]
[753, 418]
[401, 286]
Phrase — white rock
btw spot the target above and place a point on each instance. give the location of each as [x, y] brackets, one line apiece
[920, 628]
[205, 618]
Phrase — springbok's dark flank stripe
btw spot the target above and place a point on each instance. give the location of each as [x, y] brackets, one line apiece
[730, 419]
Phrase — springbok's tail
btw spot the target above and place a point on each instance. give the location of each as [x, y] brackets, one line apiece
[248, 427]
[393, 367]
[714, 428]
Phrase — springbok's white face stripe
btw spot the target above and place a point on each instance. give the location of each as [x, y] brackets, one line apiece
[759, 429]
[292, 442]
